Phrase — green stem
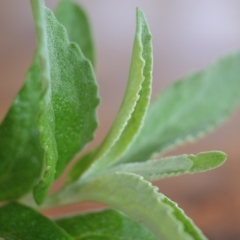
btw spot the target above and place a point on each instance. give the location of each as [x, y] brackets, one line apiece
[65, 196]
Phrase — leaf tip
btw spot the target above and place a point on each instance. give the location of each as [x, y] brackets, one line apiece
[140, 15]
[221, 157]
[207, 160]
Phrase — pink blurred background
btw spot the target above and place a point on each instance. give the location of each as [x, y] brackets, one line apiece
[187, 35]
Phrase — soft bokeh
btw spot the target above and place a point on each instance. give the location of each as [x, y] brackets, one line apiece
[187, 35]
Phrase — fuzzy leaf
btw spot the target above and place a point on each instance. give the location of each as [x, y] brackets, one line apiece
[138, 199]
[136, 120]
[135, 103]
[76, 22]
[20, 151]
[104, 225]
[189, 109]
[18, 222]
[68, 105]
[172, 166]
[20, 148]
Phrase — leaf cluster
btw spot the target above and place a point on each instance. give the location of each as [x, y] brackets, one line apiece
[53, 118]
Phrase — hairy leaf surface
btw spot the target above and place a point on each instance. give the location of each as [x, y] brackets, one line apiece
[189, 109]
[20, 148]
[137, 198]
[21, 153]
[76, 22]
[68, 105]
[134, 106]
[104, 225]
[172, 166]
[18, 222]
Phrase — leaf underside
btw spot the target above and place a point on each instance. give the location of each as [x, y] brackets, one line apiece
[188, 109]
[137, 198]
[104, 225]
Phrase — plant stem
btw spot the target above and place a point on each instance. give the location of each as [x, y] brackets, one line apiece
[65, 196]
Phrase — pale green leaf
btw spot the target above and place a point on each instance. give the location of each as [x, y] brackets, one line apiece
[137, 198]
[20, 151]
[76, 22]
[189, 109]
[172, 166]
[18, 222]
[104, 225]
[135, 103]
[136, 120]
[68, 105]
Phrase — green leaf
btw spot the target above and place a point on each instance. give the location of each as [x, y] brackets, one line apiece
[80, 167]
[172, 166]
[138, 199]
[20, 151]
[135, 103]
[104, 225]
[136, 120]
[18, 222]
[68, 104]
[76, 22]
[188, 109]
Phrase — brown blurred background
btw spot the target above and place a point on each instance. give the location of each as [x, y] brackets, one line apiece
[187, 35]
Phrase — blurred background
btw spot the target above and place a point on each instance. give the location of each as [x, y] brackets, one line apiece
[187, 36]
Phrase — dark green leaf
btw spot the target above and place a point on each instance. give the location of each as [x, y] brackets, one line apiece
[105, 225]
[20, 151]
[76, 22]
[18, 222]
[189, 109]
[68, 105]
